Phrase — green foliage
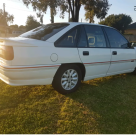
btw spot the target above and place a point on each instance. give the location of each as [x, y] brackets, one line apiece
[92, 7]
[5, 18]
[31, 23]
[120, 22]
[22, 27]
[42, 5]
[98, 8]
[14, 26]
[100, 106]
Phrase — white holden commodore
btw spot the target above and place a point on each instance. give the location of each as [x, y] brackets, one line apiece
[64, 54]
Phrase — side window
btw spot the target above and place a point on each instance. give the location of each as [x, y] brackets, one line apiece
[82, 40]
[95, 36]
[115, 38]
[69, 39]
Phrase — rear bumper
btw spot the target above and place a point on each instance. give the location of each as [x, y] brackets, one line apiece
[28, 75]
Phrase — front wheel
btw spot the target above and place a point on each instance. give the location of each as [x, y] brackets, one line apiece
[67, 79]
[134, 72]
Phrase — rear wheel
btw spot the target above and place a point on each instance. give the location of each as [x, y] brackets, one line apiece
[67, 79]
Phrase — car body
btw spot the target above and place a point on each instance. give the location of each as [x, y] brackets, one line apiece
[39, 56]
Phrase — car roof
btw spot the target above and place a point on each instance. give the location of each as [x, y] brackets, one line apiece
[82, 23]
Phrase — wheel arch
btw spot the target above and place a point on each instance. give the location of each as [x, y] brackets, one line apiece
[80, 65]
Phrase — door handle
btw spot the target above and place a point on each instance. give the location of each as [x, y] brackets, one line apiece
[114, 53]
[85, 53]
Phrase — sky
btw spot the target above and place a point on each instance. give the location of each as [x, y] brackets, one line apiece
[20, 11]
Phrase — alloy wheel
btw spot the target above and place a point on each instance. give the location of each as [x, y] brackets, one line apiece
[69, 79]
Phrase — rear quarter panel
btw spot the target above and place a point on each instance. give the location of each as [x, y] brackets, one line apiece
[41, 55]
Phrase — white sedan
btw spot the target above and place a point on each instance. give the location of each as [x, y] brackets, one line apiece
[64, 54]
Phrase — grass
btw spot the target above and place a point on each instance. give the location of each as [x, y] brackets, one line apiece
[100, 106]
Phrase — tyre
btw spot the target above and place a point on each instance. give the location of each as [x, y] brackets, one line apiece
[134, 72]
[67, 79]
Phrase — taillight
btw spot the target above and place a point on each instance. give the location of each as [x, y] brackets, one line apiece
[6, 52]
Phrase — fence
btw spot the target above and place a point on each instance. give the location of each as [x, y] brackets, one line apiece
[131, 38]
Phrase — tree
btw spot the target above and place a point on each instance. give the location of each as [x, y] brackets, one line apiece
[42, 6]
[74, 7]
[98, 8]
[120, 22]
[70, 19]
[5, 18]
[92, 7]
[65, 5]
[31, 23]
[22, 27]
[14, 26]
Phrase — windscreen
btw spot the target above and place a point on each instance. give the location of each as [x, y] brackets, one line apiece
[45, 31]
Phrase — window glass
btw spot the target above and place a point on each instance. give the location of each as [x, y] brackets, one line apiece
[45, 31]
[115, 38]
[82, 40]
[68, 40]
[95, 36]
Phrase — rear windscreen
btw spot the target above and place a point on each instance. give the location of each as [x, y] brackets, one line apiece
[45, 31]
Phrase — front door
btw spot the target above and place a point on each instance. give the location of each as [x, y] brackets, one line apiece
[123, 57]
[93, 51]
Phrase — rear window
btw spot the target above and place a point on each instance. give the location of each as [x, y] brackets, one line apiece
[45, 31]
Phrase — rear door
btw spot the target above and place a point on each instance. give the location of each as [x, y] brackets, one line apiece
[123, 57]
[94, 51]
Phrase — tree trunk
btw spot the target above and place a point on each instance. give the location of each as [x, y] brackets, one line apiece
[76, 14]
[52, 15]
[69, 15]
[75, 11]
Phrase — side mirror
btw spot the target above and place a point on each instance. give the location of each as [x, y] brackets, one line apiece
[134, 44]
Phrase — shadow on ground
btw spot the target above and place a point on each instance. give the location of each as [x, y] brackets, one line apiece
[112, 100]
[100, 106]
